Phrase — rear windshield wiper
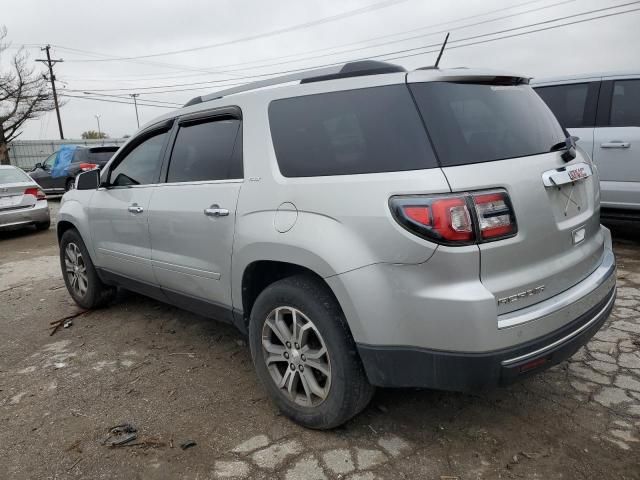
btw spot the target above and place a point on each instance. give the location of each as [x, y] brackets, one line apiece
[568, 148]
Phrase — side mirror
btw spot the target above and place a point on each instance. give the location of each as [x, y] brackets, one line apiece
[88, 180]
[37, 165]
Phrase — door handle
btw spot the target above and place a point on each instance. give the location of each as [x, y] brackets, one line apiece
[216, 211]
[135, 208]
[615, 144]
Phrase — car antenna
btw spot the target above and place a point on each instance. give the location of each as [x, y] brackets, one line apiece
[444, 44]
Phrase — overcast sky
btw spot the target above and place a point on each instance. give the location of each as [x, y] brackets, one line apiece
[247, 38]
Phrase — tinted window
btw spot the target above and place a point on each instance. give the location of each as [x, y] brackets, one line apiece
[140, 165]
[356, 131]
[13, 175]
[205, 151]
[568, 103]
[471, 123]
[625, 104]
[97, 155]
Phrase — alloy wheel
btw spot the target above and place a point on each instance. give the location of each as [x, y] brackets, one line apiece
[76, 269]
[296, 356]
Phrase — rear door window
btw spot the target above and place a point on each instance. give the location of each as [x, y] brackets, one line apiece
[625, 104]
[568, 103]
[368, 130]
[473, 123]
[205, 151]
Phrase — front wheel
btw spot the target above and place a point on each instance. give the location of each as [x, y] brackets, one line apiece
[80, 276]
[304, 354]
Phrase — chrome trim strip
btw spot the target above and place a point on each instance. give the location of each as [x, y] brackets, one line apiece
[562, 340]
[600, 276]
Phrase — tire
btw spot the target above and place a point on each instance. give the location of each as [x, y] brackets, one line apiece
[343, 393]
[43, 225]
[70, 184]
[95, 294]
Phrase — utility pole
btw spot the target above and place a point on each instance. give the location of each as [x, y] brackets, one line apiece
[50, 63]
[98, 119]
[135, 102]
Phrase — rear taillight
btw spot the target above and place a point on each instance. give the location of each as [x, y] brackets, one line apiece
[495, 216]
[459, 219]
[36, 192]
[85, 167]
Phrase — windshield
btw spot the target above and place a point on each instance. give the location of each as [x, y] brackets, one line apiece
[13, 175]
[472, 123]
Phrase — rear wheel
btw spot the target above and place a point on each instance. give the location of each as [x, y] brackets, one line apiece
[80, 277]
[304, 354]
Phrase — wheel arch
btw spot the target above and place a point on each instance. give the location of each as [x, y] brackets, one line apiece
[72, 215]
[259, 274]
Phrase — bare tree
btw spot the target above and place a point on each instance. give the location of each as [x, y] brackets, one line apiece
[24, 95]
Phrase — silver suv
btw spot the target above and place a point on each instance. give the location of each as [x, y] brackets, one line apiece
[363, 225]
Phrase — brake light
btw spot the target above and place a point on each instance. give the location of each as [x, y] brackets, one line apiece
[36, 192]
[85, 167]
[459, 219]
[452, 220]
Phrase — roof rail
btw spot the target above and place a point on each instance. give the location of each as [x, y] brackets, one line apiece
[350, 69]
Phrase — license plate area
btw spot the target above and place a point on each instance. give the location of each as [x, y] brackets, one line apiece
[568, 189]
[8, 201]
[566, 175]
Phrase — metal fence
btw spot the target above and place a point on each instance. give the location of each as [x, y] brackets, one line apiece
[26, 153]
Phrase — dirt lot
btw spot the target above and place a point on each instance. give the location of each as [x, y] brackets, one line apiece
[178, 377]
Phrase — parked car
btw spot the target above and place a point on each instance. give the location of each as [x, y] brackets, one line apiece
[603, 110]
[84, 159]
[22, 201]
[364, 225]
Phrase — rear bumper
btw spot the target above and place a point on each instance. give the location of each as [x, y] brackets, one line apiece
[25, 216]
[583, 309]
[415, 367]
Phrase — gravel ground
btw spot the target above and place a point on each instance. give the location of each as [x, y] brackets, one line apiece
[180, 378]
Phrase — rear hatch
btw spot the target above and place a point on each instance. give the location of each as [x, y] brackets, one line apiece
[95, 155]
[17, 190]
[496, 133]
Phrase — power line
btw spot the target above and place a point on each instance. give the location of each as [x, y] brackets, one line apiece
[382, 37]
[148, 100]
[410, 52]
[437, 32]
[271, 33]
[66, 95]
[524, 33]
[518, 5]
[142, 62]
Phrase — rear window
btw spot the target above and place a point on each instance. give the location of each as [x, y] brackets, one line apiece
[568, 103]
[369, 130]
[473, 123]
[99, 156]
[13, 175]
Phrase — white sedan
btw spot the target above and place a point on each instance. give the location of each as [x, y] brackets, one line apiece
[22, 201]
